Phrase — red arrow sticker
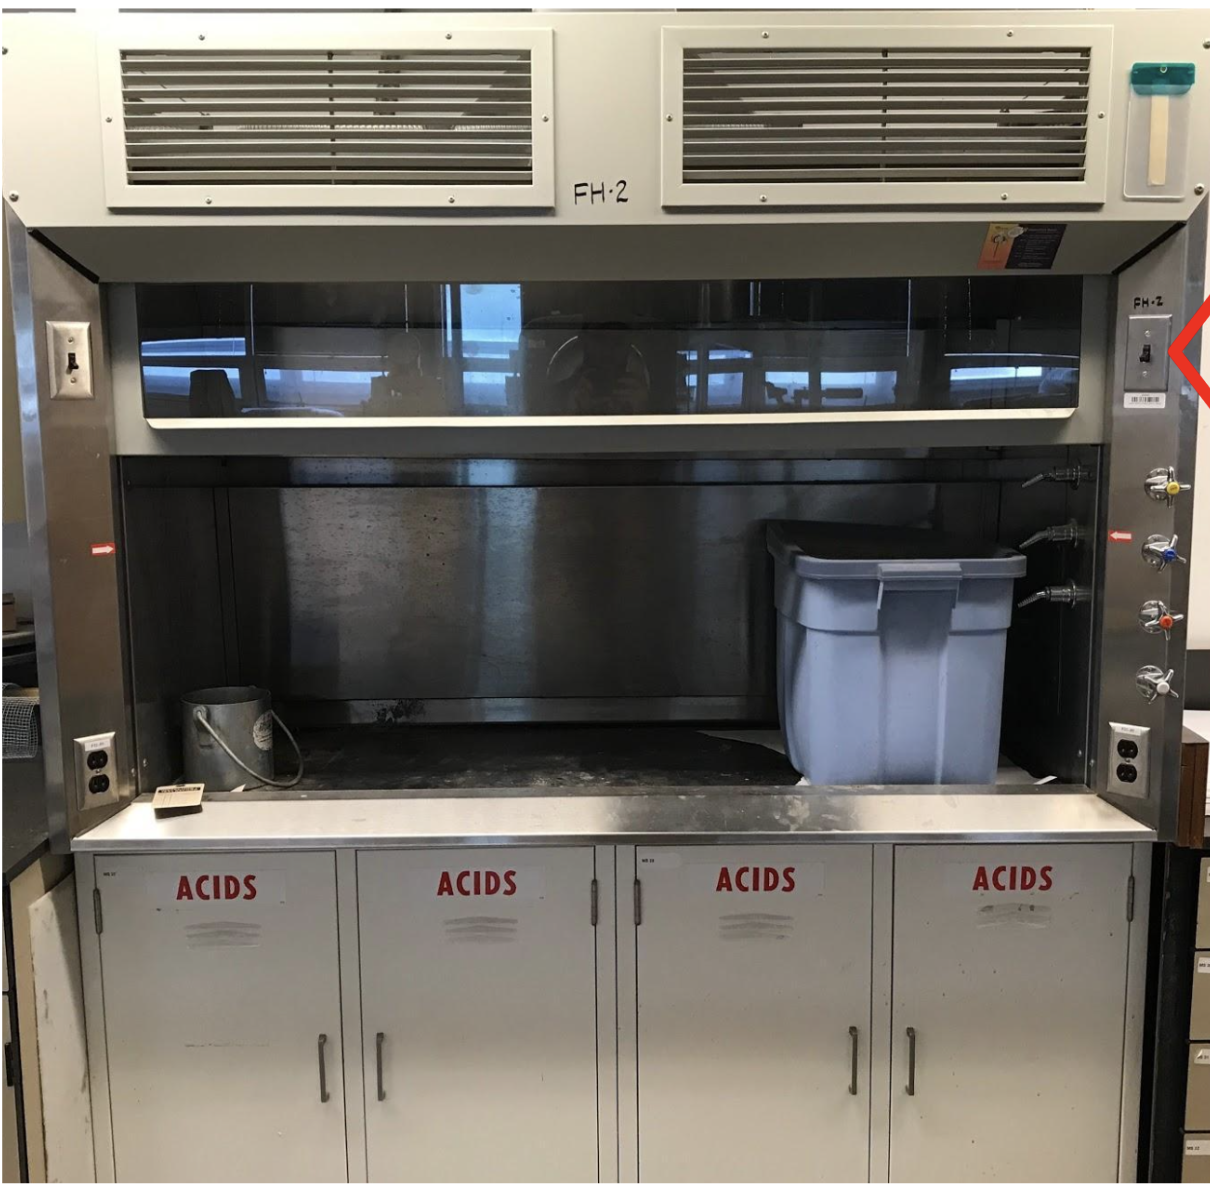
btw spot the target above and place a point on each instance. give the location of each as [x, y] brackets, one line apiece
[102, 549]
[1121, 537]
[1177, 351]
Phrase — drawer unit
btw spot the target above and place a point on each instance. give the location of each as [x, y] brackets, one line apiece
[1203, 905]
[1197, 1096]
[1199, 1012]
[1195, 1165]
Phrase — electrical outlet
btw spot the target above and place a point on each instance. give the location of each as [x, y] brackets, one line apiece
[97, 769]
[1129, 759]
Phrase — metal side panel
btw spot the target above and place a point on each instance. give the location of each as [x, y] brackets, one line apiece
[74, 539]
[1010, 991]
[479, 1014]
[754, 1016]
[1146, 429]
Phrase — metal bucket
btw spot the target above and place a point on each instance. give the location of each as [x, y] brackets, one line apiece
[228, 738]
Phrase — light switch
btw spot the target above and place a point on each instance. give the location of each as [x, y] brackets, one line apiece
[69, 349]
[1147, 340]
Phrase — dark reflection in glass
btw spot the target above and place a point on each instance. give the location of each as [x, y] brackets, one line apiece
[609, 348]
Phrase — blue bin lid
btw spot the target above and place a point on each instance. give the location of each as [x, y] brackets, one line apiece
[848, 551]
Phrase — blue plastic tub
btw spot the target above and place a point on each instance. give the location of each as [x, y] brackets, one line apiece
[890, 652]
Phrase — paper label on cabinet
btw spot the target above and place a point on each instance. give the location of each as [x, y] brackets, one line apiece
[1203, 963]
[1202, 1056]
[1197, 1148]
[660, 860]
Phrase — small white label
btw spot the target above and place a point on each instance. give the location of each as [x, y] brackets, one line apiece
[188, 794]
[1202, 1056]
[1197, 1148]
[659, 860]
[1203, 963]
[95, 743]
[262, 731]
[1145, 399]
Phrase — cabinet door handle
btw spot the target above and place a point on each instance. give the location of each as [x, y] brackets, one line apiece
[911, 1083]
[378, 1041]
[323, 1070]
[853, 1042]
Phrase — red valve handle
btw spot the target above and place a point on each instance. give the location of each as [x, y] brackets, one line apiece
[1166, 621]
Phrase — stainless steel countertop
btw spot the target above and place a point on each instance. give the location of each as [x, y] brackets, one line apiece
[707, 816]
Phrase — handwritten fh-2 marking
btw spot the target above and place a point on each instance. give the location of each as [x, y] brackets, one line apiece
[600, 193]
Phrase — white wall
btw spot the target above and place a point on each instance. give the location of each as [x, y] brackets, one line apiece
[1199, 576]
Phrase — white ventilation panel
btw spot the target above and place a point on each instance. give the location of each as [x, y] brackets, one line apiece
[426, 121]
[862, 117]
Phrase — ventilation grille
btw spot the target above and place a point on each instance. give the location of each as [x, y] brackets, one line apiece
[328, 117]
[884, 115]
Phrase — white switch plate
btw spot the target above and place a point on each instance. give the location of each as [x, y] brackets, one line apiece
[69, 355]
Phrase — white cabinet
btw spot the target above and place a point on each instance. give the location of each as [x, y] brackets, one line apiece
[1009, 968]
[222, 1016]
[478, 978]
[753, 968]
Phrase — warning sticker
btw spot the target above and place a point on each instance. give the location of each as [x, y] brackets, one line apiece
[1021, 246]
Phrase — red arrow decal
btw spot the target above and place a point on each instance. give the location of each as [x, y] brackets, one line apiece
[1121, 537]
[1177, 351]
[102, 549]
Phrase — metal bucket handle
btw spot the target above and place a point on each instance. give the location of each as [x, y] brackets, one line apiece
[203, 718]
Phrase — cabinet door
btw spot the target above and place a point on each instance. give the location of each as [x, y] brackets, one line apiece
[753, 968]
[1010, 967]
[478, 970]
[220, 975]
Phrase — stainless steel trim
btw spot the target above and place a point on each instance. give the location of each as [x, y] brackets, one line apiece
[71, 505]
[271, 426]
[854, 1041]
[705, 816]
[1141, 439]
[323, 1070]
[379, 1039]
[911, 1075]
